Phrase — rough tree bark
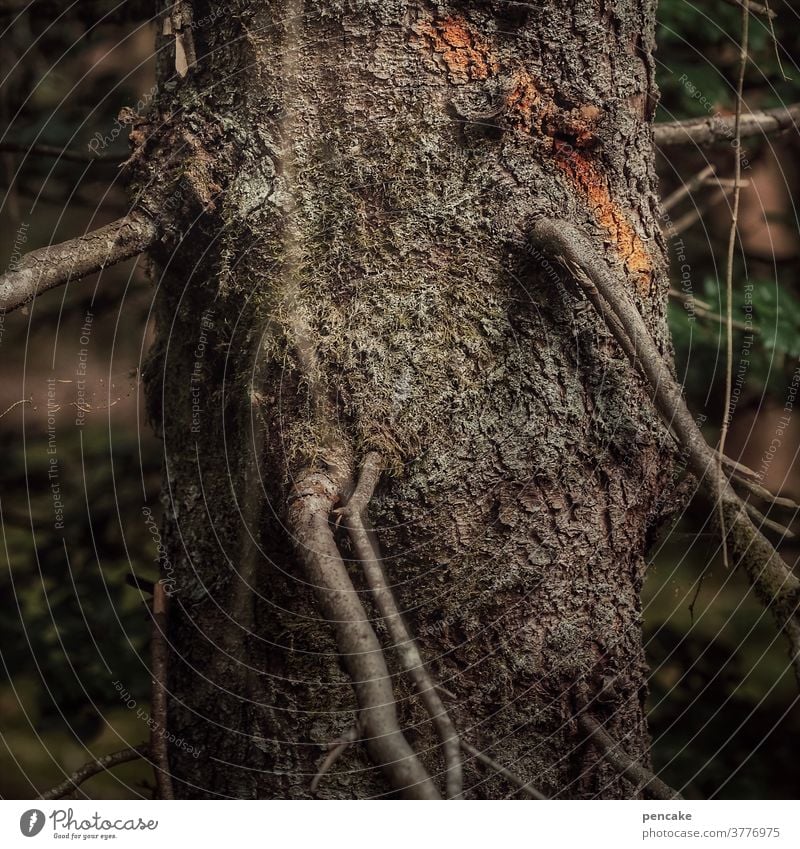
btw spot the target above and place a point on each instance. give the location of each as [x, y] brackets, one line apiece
[345, 191]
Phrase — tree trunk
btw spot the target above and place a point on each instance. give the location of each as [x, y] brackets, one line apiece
[346, 191]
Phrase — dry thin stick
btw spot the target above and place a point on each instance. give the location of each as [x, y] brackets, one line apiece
[335, 751]
[715, 129]
[625, 765]
[686, 221]
[94, 767]
[774, 582]
[701, 311]
[770, 17]
[763, 492]
[159, 652]
[686, 188]
[756, 8]
[15, 405]
[737, 175]
[53, 152]
[524, 787]
[56, 265]
[310, 506]
[739, 468]
[759, 518]
[367, 550]
[689, 300]
[721, 319]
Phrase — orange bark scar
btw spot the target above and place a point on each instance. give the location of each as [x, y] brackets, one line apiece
[524, 105]
[569, 132]
[464, 52]
[591, 184]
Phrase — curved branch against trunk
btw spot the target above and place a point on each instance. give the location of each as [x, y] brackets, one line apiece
[774, 582]
[56, 265]
[714, 129]
[367, 551]
[309, 523]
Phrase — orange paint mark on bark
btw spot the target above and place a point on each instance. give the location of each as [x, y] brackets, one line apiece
[465, 53]
[584, 175]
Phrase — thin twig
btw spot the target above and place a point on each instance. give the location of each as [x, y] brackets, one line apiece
[623, 763]
[726, 409]
[755, 8]
[771, 18]
[524, 786]
[701, 311]
[739, 468]
[763, 492]
[367, 550]
[159, 652]
[15, 405]
[686, 188]
[53, 152]
[774, 582]
[689, 218]
[310, 505]
[760, 519]
[94, 767]
[688, 300]
[716, 129]
[335, 751]
[56, 265]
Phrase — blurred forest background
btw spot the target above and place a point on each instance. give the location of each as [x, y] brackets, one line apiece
[73, 632]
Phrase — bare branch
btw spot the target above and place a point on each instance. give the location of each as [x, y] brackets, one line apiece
[761, 520]
[56, 265]
[524, 787]
[335, 751]
[94, 767]
[687, 188]
[737, 191]
[310, 506]
[755, 8]
[715, 129]
[625, 765]
[53, 152]
[760, 491]
[701, 310]
[688, 300]
[367, 550]
[688, 219]
[740, 469]
[159, 652]
[774, 582]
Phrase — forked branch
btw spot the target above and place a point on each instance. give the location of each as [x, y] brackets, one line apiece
[308, 519]
[56, 265]
[774, 582]
[367, 551]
